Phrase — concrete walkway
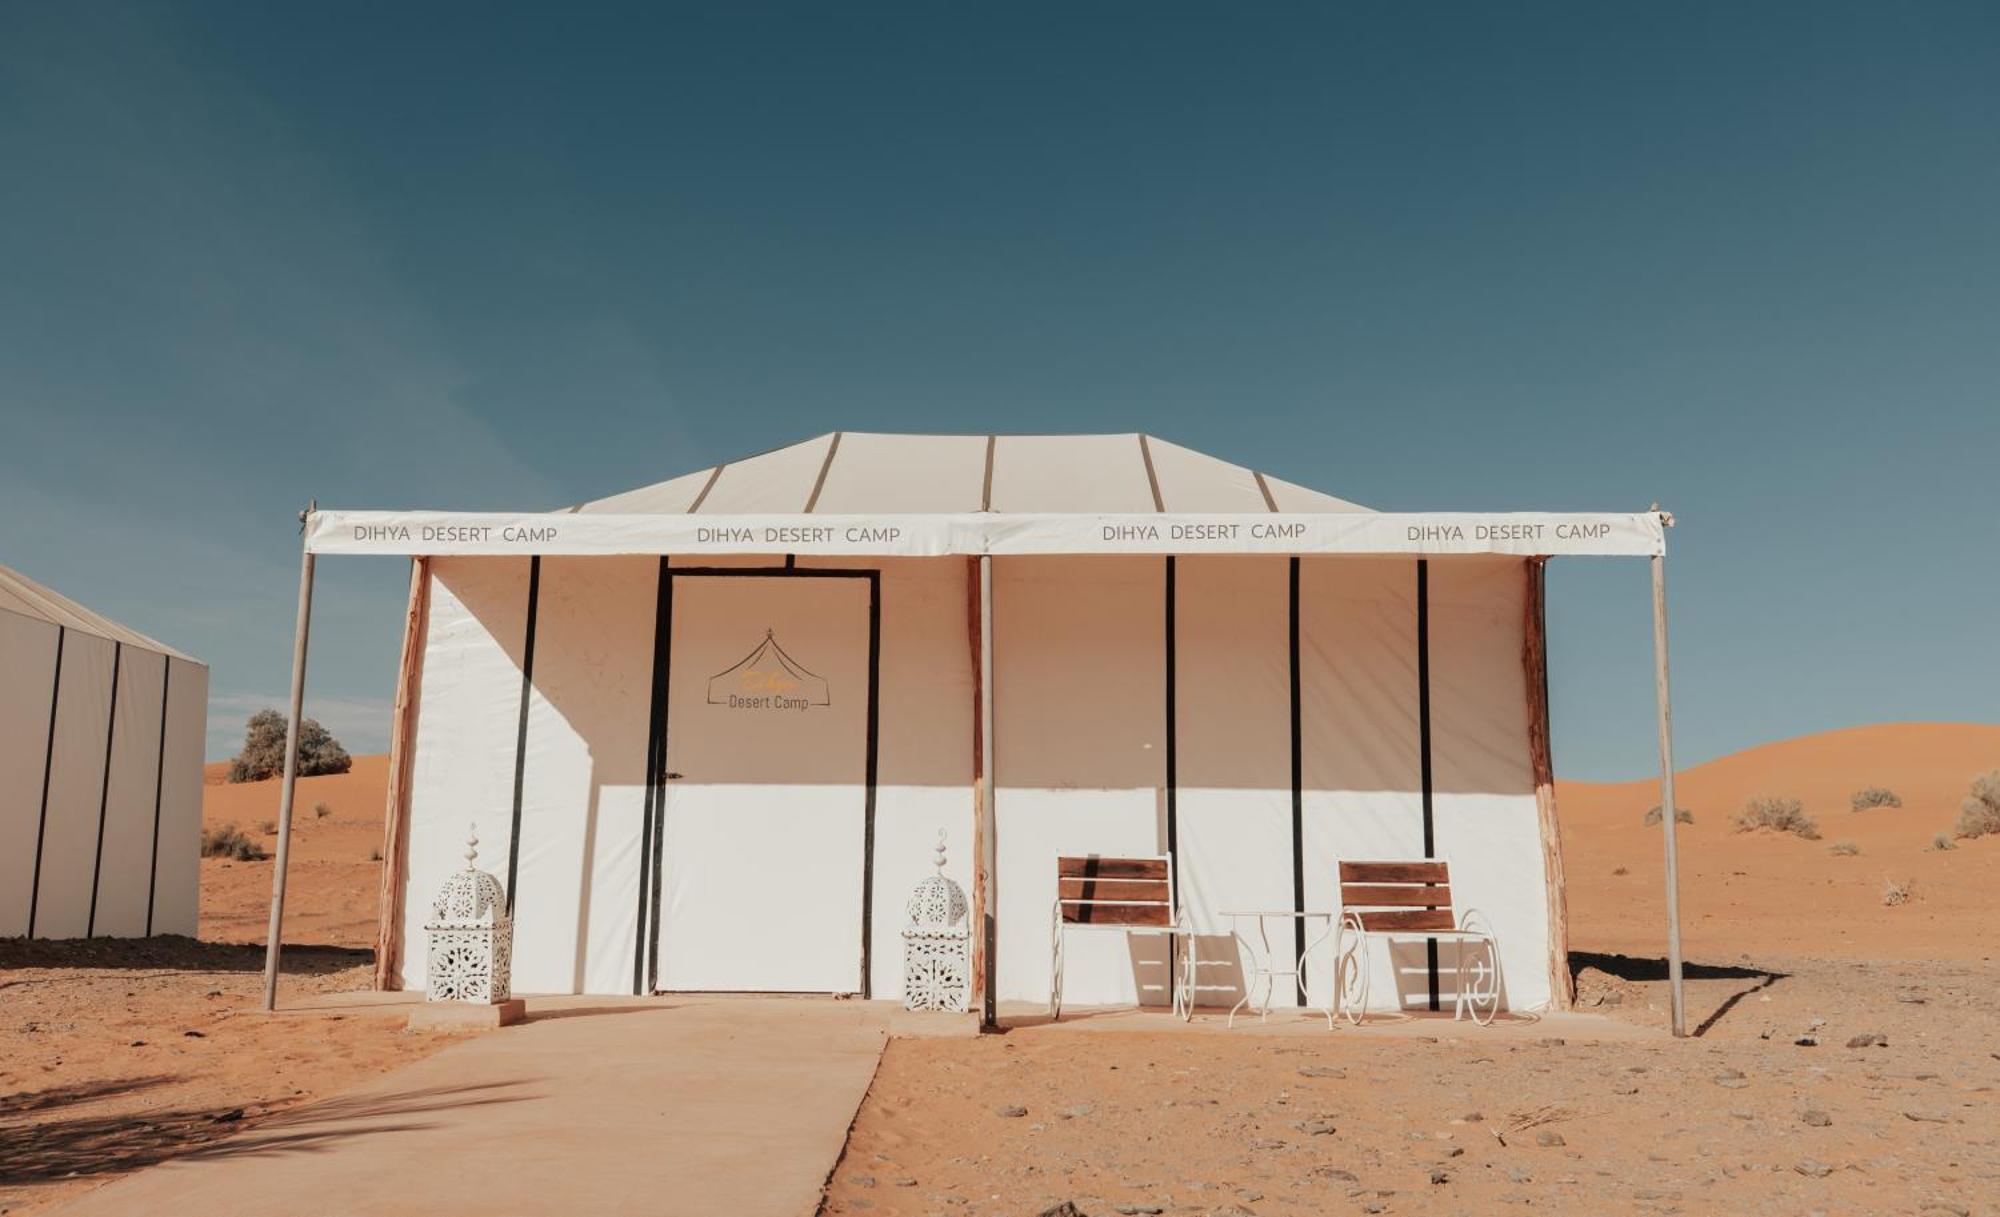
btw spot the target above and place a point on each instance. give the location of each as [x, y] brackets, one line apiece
[670, 1107]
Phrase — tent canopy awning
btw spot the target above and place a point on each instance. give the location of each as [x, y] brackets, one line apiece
[1420, 534]
[864, 494]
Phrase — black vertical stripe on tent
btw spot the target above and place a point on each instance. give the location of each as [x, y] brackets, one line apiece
[1173, 768]
[159, 783]
[1298, 790]
[868, 797]
[1152, 477]
[48, 770]
[663, 667]
[651, 802]
[521, 730]
[986, 480]
[826, 466]
[104, 792]
[1424, 741]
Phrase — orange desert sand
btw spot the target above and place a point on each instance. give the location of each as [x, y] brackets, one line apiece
[113, 1056]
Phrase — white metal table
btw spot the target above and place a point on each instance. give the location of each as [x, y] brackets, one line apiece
[1264, 960]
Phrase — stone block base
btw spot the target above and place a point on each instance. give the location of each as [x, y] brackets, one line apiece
[467, 1016]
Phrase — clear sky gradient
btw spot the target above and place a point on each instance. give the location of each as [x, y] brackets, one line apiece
[1740, 259]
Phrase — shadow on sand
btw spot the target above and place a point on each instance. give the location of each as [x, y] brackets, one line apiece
[1647, 969]
[172, 952]
[88, 1146]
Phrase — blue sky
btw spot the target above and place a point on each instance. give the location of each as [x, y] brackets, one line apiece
[1741, 260]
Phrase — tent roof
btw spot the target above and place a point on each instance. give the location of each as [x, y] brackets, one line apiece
[853, 472]
[20, 594]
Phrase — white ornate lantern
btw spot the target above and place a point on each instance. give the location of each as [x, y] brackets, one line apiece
[936, 966]
[471, 936]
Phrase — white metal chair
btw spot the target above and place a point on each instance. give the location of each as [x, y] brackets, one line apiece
[1411, 899]
[1130, 895]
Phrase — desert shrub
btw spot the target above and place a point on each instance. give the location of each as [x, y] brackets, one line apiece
[1681, 815]
[1875, 796]
[1980, 813]
[1778, 814]
[1843, 849]
[263, 754]
[1895, 893]
[374, 855]
[268, 827]
[321, 811]
[1942, 842]
[229, 842]
[1621, 870]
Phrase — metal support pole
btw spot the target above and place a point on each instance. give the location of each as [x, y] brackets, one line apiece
[1667, 824]
[988, 924]
[273, 939]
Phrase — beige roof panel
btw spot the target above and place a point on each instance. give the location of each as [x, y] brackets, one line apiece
[20, 594]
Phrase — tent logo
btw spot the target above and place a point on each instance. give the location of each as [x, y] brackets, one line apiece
[768, 679]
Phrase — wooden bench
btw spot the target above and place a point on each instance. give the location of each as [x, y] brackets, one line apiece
[1130, 895]
[1410, 898]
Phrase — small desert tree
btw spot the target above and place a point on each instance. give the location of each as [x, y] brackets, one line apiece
[1980, 813]
[263, 754]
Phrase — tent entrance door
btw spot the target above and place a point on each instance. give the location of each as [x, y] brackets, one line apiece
[766, 804]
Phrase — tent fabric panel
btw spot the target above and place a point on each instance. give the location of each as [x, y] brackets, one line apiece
[904, 473]
[463, 770]
[584, 777]
[923, 739]
[27, 679]
[177, 877]
[1486, 817]
[671, 497]
[1360, 736]
[1195, 481]
[1233, 756]
[1290, 496]
[1070, 473]
[1080, 764]
[76, 787]
[125, 869]
[23, 595]
[777, 481]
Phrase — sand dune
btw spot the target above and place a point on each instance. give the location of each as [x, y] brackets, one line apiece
[332, 889]
[1763, 893]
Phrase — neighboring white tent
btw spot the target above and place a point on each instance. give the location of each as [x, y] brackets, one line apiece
[101, 733]
[715, 725]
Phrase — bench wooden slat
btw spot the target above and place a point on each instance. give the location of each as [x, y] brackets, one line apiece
[1367, 895]
[1394, 872]
[1111, 868]
[1115, 914]
[1406, 919]
[1113, 889]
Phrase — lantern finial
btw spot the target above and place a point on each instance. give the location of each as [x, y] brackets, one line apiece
[471, 845]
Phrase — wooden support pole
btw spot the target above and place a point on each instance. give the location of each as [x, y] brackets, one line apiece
[1535, 666]
[1667, 819]
[402, 754]
[274, 934]
[983, 873]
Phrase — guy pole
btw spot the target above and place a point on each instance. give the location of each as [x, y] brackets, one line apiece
[273, 939]
[1667, 824]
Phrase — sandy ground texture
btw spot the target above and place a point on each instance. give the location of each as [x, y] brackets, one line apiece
[1791, 956]
[115, 1054]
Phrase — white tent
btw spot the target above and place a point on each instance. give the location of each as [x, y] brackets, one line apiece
[101, 732]
[713, 726]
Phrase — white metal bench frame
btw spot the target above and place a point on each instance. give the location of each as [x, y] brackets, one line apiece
[1405, 898]
[1098, 908]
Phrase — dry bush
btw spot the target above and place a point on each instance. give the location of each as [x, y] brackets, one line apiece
[263, 754]
[321, 811]
[1875, 796]
[374, 855]
[229, 842]
[1843, 849]
[1895, 893]
[1980, 813]
[1778, 814]
[1942, 842]
[268, 827]
[1681, 815]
